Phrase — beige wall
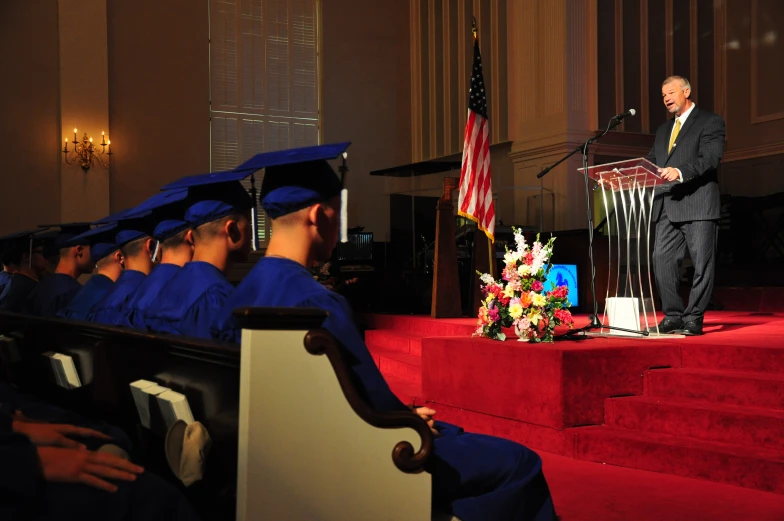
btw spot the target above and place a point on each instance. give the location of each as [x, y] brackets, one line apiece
[366, 98]
[158, 95]
[30, 105]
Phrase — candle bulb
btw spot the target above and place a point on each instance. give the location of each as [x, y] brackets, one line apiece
[109, 143]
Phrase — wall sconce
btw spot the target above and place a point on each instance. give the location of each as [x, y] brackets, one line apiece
[85, 153]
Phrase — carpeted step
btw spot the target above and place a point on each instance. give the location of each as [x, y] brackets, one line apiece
[408, 392]
[749, 467]
[718, 386]
[767, 357]
[422, 325]
[738, 424]
[399, 365]
[394, 341]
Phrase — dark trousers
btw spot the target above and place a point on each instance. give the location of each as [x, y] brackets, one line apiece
[672, 240]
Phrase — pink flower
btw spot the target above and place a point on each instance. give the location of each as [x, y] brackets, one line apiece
[564, 316]
[560, 292]
[537, 286]
[493, 314]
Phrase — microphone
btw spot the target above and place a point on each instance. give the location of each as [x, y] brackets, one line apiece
[630, 112]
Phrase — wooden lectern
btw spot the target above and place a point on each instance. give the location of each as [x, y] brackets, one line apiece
[446, 283]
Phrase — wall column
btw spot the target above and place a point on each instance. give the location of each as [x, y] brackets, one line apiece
[552, 104]
[84, 104]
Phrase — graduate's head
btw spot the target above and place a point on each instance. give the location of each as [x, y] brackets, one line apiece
[175, 239]
[73, 250]
[104, 252]
[230, 233]
[111, 265]
[220, 216]
[137, 254]
[304, 202]
[23, 253]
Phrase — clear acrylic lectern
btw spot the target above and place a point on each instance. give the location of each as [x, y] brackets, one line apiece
[628, 191]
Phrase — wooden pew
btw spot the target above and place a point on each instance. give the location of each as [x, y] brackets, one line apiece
[207, 373]
[289, 427]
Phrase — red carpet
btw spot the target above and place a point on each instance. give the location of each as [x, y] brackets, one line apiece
[585, 491]
[709, 407]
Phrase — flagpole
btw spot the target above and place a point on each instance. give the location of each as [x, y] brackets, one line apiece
[491, 263]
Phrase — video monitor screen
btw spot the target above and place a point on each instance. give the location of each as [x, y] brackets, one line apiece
[564, 275]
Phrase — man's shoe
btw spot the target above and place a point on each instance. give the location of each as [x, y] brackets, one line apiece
[692, 327]
[671, 325]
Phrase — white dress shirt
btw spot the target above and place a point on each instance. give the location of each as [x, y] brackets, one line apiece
[682, 119]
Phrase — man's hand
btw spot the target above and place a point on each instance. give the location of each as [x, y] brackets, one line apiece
[55, 435]
[86, 467]
[669, 174]
[426, 413]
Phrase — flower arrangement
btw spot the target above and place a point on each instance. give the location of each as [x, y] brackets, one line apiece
[520, 299]
[323, 274]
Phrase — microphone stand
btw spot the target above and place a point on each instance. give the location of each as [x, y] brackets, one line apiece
[595, 323]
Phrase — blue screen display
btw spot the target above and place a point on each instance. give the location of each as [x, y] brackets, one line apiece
[564, 275]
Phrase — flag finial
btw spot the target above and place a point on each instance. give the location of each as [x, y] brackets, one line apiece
[473, 27]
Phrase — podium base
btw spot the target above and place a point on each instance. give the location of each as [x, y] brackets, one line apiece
[652, 335]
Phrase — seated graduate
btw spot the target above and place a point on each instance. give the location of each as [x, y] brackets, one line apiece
[47, 474]
[24, 255]
[219, 215]
[176, 249]
[475, 477]
[108, 268]
[7, 270]
[143, 226]
[54, 292]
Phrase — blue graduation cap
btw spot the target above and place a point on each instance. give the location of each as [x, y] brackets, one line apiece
[293, 179]
[212, 196]
[101, 241]
[160, 217]
[66, 233]
[155, 203]
[14, 244]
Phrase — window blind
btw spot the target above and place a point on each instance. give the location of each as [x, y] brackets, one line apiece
[263, 82]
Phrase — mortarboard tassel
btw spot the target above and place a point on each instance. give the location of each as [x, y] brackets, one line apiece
[344, 215]
[155, 251]
[343, 168]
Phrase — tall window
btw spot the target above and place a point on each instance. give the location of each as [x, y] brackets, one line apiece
[263, 81]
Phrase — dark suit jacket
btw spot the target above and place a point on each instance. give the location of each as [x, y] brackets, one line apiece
[697, 152]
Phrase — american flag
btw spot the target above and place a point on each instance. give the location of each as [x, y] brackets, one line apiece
[476, 194]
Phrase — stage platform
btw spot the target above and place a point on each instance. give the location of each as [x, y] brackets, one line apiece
[709, 407]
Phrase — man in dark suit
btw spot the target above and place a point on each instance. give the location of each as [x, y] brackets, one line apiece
[687, 151]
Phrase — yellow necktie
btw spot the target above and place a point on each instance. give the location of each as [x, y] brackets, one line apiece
[674, 134]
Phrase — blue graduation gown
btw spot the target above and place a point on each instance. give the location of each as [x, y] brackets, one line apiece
[132, 313]
[5, 278]
[189, 303]
[475, 477]
[52, 294]
[117, 298]
[15, 294]
[87, 298]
